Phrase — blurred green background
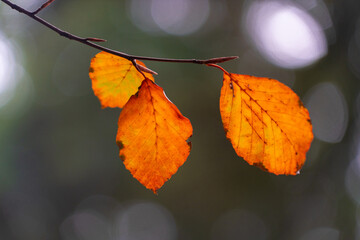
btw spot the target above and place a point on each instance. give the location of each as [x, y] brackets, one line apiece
[60, 174]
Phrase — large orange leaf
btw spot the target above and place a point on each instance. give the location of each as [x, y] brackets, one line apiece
[152, 136]
[266, 123]
[114, 79]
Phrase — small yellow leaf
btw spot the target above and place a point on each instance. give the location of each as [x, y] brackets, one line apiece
[114, 79]
[152, 136]
[266, 123]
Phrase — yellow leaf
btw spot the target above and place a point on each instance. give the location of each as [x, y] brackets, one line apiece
[114, 79]
[266, 123]
[152, 136]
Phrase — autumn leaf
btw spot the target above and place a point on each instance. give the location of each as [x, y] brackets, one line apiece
[114, 79]
[266, 122]
[152, 136]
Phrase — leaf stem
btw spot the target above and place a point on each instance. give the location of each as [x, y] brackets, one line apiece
[89, 40]
[217, 66]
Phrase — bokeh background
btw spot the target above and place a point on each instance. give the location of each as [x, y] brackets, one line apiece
[60, 174]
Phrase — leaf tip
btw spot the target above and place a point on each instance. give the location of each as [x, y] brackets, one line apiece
[300, 103]
[261, 166]
[120, 145]
[189, 144]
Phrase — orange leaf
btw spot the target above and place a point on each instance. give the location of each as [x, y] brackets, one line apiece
[152, 136]
[266, 123]
[114, 79]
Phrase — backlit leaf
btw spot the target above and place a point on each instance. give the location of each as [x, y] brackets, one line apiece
[114, 79]
[152, 136]
[266, 123]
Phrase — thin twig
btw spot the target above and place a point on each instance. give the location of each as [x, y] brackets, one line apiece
[92, 39]
[43, 6]
[89, 41]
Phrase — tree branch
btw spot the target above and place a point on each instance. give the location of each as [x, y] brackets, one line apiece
[89, 40]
